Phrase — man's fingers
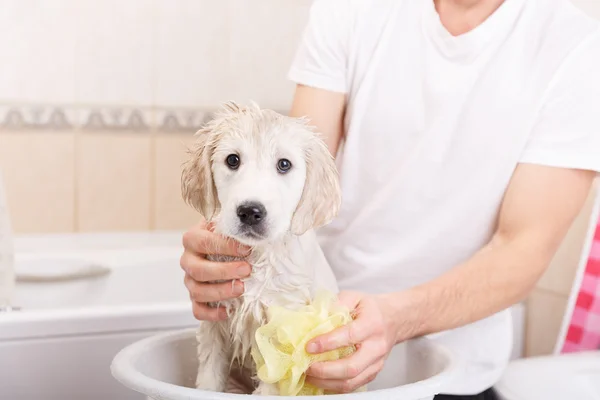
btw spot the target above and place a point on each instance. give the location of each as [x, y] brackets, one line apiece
[202, 241]
[348, 385]
[213, 292]
[202, 270]
[198, 242]
[350, 299]
[210, 226]
[349, 367]
[353, 333]
[203, 312]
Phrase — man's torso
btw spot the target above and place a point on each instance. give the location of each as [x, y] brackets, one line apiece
[435, 127]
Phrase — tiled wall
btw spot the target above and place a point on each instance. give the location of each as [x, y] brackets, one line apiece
[99, 98]
[97, 176]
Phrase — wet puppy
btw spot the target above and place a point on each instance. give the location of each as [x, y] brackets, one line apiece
[267, 181]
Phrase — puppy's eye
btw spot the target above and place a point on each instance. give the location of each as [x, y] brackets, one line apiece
[233, 161]
[284, 166]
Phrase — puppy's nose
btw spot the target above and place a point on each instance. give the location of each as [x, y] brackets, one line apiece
[251, 213]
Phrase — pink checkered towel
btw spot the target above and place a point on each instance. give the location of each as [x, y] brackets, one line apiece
[583, 331]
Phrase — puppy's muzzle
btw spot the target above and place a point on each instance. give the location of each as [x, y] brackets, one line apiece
[251, 213]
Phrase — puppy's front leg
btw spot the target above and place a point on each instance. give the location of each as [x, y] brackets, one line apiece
[212, 357]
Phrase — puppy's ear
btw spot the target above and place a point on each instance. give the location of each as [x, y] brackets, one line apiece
[321, 197]
[197, 184]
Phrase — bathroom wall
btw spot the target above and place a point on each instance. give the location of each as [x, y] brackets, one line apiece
[99, 98]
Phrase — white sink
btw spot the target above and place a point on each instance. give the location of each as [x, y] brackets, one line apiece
[61, 343]
[574, 376]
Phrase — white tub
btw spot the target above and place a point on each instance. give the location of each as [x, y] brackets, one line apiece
[60, 345]
[164, 367]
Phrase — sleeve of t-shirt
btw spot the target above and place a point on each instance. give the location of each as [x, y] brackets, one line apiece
[567, 131]
[321, 60]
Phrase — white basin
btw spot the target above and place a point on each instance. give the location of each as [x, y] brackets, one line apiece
[164, 367]
[60, 345]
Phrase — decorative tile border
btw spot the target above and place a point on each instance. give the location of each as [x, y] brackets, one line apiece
[36, 117]
[115, 119]
[101, 119]
[181, 120]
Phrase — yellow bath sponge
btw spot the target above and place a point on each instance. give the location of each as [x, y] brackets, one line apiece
[279, 351]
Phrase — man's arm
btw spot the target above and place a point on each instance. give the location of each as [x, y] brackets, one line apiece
[537, 211]
[538, 208]
[325, 110]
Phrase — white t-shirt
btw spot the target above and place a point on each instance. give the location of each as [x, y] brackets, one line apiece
[435, 126]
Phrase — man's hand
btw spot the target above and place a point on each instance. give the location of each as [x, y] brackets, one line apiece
[198, 242]
[373, 331]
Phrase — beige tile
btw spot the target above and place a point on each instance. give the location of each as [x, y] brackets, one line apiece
[545, 311]
[38, 171]
[113, 181]
[561, 273]
[170, 212]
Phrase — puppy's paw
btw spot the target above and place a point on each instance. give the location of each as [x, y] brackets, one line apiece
[266, 389]
[208, 386]
[361, 389]
[211, 380]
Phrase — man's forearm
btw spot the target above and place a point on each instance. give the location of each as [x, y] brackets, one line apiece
[499, 275]
[538, 208]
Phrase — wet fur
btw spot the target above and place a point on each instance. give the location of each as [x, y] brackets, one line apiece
[286, 267]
